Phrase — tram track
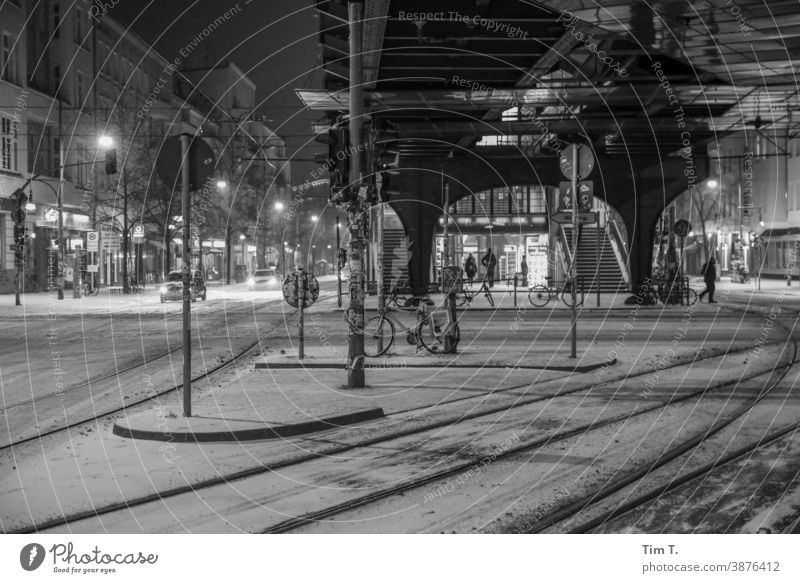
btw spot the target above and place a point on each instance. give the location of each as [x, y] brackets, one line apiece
[242, 353]
[573, 508]
[389, 492]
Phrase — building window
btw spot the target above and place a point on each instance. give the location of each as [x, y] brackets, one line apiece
[482, 203]
[538, 198]
[500, 198]
[78, 32]
[3, 239]
[78, 88]
[8, 59]
[56, 20]
[519, 204]
[464, 205]
[9, 154]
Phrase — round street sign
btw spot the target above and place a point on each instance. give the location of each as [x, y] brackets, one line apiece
[289, 290]
[585, 161]
[682, 227]
[273, 255]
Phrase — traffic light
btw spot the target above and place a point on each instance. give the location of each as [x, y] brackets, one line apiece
[111, 161]
[338, 157]
[387, 159]
[18, 210]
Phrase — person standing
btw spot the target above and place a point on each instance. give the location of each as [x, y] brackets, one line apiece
[709, 270]
[470, 268]
[524, 269]
[489, 261]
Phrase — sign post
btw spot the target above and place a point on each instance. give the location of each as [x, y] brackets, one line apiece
[573, 271]
[300, 290]
[576, 162]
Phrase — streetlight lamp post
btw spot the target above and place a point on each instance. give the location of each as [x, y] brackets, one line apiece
[242, 239]
[338, 264]
[314, 219]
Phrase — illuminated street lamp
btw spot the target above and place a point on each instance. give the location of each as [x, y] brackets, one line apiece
[712, 183]
[221, 184]
[279, 206]
[105, 141]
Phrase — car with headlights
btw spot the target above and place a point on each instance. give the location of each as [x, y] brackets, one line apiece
[172, 290]
[266, 278]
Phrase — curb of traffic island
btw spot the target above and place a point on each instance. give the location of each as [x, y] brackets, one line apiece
[180, 429]
[582, 369]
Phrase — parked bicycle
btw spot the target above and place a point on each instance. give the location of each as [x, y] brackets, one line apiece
[428, 331]
[676, 293]
[540, 295]
[466, 296]
[397, 295]
[88, 290]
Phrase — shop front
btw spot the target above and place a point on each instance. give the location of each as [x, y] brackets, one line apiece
[509, 243]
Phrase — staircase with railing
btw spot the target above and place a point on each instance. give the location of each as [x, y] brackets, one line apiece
[598, 262]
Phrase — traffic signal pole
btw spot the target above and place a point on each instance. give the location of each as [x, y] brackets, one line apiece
[187, 279]
[355, 207]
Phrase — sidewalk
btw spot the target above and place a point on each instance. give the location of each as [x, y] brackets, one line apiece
[278, 395]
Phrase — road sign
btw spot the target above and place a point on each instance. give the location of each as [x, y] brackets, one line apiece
[111, 241]
[272, 255]
[565, 218]
[289, 290]
[92, 268]
[93, 241]
[585, 195]
[138, 234]
[682, 227]
[585, 161]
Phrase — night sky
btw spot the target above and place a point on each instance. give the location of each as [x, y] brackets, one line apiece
[274, 42]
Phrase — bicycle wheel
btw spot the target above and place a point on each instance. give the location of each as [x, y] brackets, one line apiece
[489, 297]
[566, 297]
[430, 336]
[378, 331]
[463, 298]
[539, 295]
[691, 297]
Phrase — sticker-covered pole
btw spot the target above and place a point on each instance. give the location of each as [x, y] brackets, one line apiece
[355, 212]
[187, 281]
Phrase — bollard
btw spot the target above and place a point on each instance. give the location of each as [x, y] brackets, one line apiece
[450, 340]
[452, 283]
[515, 290]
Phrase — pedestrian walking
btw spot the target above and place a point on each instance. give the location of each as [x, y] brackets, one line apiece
[709, 270]
[489, 261]
[524, 269]
[470, 268]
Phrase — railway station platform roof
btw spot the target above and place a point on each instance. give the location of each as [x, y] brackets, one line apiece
[632, 77]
